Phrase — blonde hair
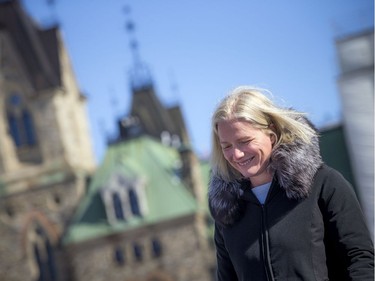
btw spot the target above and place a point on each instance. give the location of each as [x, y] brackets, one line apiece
[252, 105]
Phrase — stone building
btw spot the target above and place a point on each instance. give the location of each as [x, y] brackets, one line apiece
[45, 147]
[144, 215]
[139, 216]
[138, 220]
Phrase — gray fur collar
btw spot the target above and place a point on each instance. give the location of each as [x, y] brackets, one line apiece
[294, 166]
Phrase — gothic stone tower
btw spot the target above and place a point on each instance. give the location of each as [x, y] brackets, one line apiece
[45, 148]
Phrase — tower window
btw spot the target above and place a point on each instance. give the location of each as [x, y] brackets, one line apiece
[13, 128]
[15, 100]
[29, 128]
[20, 122]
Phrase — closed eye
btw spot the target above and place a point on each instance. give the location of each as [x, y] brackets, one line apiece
[246, 141]
[225, 146]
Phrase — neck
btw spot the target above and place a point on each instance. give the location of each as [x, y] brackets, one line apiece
[261, 178]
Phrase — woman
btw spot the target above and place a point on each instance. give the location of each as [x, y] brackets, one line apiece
[280, 213]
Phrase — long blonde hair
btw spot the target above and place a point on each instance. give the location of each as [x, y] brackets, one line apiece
[252, 105]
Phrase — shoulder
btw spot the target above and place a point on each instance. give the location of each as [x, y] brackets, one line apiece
[332, 186]
[329, 176]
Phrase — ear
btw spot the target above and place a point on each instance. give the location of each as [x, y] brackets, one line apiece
[273, 135]
[273, 138]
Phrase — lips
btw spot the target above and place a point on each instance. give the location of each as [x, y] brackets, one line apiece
[246, 162]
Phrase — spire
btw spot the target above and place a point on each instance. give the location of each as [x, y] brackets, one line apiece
[140, 76]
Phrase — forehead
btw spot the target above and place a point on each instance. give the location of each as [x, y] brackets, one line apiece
[235, 128]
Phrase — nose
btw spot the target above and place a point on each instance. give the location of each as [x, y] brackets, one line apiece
[237, 153]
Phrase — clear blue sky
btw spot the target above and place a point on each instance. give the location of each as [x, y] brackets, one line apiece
[197, 50]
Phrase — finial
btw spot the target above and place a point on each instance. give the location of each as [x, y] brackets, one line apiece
[139, 74]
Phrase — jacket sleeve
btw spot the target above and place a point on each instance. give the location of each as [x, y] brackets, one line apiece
[224, 267]
[349, 247]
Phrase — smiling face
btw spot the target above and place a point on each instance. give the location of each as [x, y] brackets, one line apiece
[247, 149]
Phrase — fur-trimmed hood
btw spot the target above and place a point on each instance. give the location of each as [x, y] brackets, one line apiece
[294, 166]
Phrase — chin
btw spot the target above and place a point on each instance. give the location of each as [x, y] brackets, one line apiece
[252, 172]
[248, 175]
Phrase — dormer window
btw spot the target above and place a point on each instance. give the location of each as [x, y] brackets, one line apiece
[117, 205]
[123, 198]
[134, 203]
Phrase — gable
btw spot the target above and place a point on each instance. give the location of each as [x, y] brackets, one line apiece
[36, 47]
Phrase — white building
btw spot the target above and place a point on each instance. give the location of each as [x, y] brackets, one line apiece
[356, 87]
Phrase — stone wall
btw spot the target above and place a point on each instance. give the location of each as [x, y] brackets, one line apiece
[49, 206]
[181, 258]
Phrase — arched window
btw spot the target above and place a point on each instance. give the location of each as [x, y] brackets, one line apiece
[43, 256]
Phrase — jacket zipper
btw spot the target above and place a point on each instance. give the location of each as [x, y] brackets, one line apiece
[265, 247]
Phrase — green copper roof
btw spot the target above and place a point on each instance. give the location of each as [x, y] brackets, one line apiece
[205, 171]
[144, 159]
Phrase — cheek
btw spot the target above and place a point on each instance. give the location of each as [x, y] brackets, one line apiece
[227, 154]
[268, 148]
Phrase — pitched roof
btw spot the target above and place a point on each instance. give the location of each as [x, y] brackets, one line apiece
[140, 158]
[37, 47]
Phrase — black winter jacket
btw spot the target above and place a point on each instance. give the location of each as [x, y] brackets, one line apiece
[322, 237]
[310, 227]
